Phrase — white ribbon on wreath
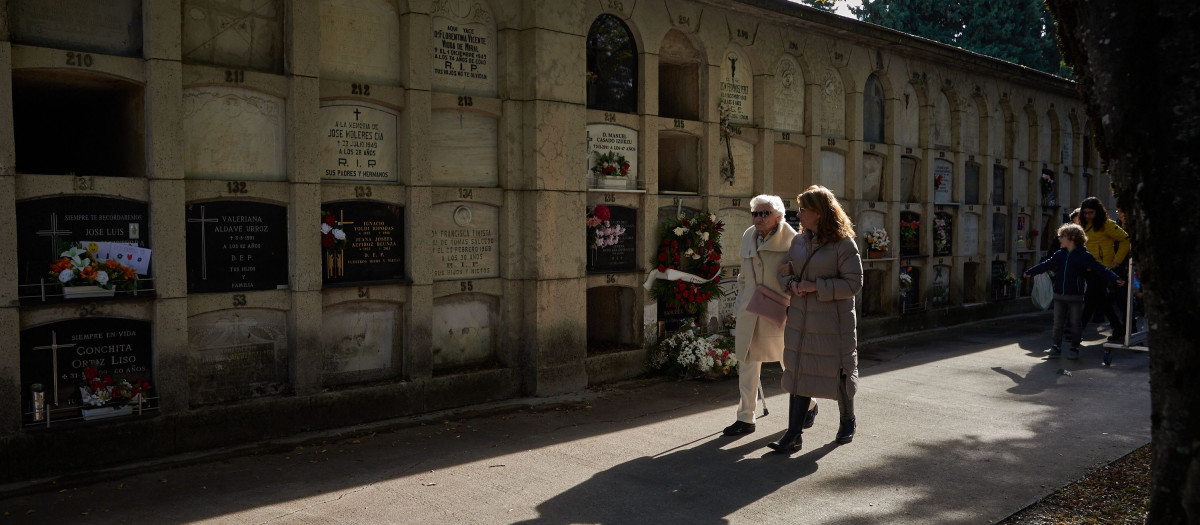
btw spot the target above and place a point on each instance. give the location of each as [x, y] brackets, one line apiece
[675, 275]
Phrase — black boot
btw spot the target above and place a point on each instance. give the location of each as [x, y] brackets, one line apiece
[792, 440]
[845, 433]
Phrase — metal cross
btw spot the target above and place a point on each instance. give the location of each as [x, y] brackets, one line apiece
[203, 244]
[52, 233]
[53, 348]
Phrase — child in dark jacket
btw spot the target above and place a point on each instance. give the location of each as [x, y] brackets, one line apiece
[1070, 264]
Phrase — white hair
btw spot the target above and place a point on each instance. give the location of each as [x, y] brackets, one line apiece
[774, 200]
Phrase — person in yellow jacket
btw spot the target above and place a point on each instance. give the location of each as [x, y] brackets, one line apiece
[1109, 244]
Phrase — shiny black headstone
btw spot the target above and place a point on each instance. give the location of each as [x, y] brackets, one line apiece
[374, 249]
[73, 219]
[622, 256]
[235, 246]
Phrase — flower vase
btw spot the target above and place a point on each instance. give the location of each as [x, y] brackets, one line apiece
[615, 183]
[874, 254]
[84, 292]
[96, 413]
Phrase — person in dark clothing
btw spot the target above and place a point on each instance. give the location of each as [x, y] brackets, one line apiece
[1070, 264]
[1109, 244]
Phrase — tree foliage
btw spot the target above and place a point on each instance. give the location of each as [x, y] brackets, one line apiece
[1019, 31]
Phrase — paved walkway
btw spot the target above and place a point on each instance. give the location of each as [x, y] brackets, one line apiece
[964, 425]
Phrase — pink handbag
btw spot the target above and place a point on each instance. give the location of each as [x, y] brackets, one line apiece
[767, 303]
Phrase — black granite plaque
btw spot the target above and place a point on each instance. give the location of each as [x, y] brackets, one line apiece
[73, 219]
[910, 233]
[374, 249]
[792, 217]
[943, 233]
[237, 246]
[998, 185]
[55, 354]
[619, 257]
[999, 233]
[971, 192]
[671, 319]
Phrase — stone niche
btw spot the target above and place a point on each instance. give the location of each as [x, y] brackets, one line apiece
[1024, 232]
[939, 286]
[54, 355]
[237, 246]
[971, 184]
[910, 296]
[237, 354]
[873, 111]
[465, 241]
[908, 129]
[871, 302]
[743, 164]
[833, 172]
[358, 142]
[833, 104]
[113, 27]
[79, 123]
[679, 66]
[789, 95]
[940, 127]
[737, 87]
[943, 233]
[619, 257]
[678, 162]
[603, 139]
[971, 290]
[612, 66]
[999, 233]
[465, 327]
[910, 234]
[611, 318]
[872, 173]
[736, 220]
[374, 249]
[971, 127]
[463, 149]
[464, 48]
[233, 133]
[943, 181]
[43, 222]
[999, 195]
[998, 134]
[910, 191]
[1021, 187]
[970, 234]
[360, 41]
[789, 169]
[362, 341]
[234, 34]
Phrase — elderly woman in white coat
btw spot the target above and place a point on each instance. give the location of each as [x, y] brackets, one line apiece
[820, 356]
[758, 340]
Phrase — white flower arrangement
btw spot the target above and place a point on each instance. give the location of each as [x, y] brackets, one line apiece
[691, 354]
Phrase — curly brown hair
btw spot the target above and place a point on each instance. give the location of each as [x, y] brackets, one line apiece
[834, 224]
[1075, 233]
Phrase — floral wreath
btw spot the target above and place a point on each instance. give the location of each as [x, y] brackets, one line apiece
[690, 245]
[332, 236]
[600, 232]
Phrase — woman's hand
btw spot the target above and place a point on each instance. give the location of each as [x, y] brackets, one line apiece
[803, 288]
[785, 269]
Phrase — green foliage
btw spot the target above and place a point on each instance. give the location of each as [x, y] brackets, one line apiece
[824, 5]
[1019, 31]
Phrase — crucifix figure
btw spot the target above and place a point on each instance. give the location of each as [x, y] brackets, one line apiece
[53, 348]
[53, 232]
[203, 243]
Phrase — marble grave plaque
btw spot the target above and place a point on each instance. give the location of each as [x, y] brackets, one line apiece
[620, 257]
[241, 34]
[464, 48]
[358, 143]
[943, 181]
[237, 354]
[789, 95]
[73, 219]
[605, 138]
[360, 41]
[939, 286]
[463, 148]
[374, 250]
[998, 194]
[232, 133]
[464, 330]
[737, 87]
[360, 340]
[113, 27]
[970, 234]
[55, 354]
[833, 172]
[872, 183]
[465, 241]
[237, 246]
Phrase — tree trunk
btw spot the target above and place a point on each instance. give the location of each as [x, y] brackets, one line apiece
[1138, 67]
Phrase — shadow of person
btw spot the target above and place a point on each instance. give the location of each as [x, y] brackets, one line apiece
[1040, 376]
[698, 484]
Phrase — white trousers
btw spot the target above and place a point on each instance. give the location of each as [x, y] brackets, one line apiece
[748, 383]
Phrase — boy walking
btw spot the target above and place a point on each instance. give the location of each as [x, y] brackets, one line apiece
[1070, 264]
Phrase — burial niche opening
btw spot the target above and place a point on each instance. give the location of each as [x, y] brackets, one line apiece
[69, 122]
[679, 77]
[873, 116]
[678, 163]
[611, 66]
[610, 319]
[971, 283]
[871, 303]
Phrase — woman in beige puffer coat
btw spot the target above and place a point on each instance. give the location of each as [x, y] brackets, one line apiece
[824, 272]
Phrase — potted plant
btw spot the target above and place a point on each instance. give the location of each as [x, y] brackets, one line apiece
[877, 242]
[611, 168]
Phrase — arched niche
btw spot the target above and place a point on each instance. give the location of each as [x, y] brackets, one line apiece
[789, 95]
[679, 72]
[237, 354]
[874, 284]
[972, 277]
[112, 28]
[736, 87]
[465, 327]
[941, 130]
[1067, 153]
[245, 35]
[943, 181]
[678, 162]
[971, 184]
[465, 48]
[910, 190]
[943, 233]
[867, 220]
[833, 172]
[910, 288]
[833, 104]
[789, 169]
[1021, 179]
[612, 66]
[872, 177]
[910, 233]
[873, 110]
[80, 123]
[908, 129]
[736, 220]
[360, 41]
[463, 148]
[361, 341]
[999, 233]
[971, 126]
[1021, 135]
[970, 234]
[999, 185]
[233, 133]
[611, 319]
[939, 286]
[1045, 139]
[743, 162]
[1000, 131]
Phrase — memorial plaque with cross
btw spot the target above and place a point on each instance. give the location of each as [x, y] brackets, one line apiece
[55, 354]
[374, 249]
[237, 246]
[41, 223]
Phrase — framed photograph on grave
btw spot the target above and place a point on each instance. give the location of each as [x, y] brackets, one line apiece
[44, 224]
[54, 357]
[611, 242]
[237, 246]
[373, 249]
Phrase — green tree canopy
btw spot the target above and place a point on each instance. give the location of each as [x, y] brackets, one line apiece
[1019, 31]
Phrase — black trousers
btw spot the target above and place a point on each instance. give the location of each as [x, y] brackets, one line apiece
[1098, 298]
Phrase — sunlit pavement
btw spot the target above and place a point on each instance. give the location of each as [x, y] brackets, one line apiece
[964, 425]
